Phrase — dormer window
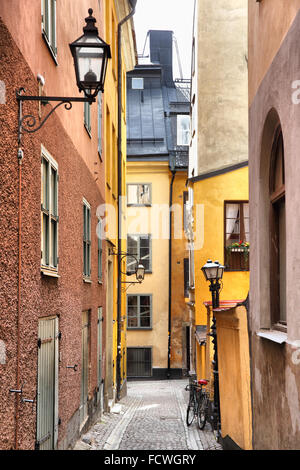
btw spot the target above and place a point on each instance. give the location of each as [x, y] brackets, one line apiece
[137, 83]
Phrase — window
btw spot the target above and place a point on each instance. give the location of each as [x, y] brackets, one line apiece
[137, 83]
[108, 152]
[237, 235]
[140, 247]
[86, 239]
[99, 110]
[49, 211]
[183, 129]
[186, 274]
[139, 362]
[99, 235]
[139, 194]
[87, 117]
[185, 210]
[278, 232]
[49, 24]
[193, 57]
[139, 311]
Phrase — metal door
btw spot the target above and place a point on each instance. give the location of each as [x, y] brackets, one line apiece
[99, 357]
[84, 368]
[47, 389]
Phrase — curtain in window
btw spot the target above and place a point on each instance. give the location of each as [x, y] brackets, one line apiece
[132, 194]
[232, 215]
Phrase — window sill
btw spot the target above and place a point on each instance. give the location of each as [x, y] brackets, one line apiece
[229, 270]
[49, 272]
[100, 282]
[139, 205]
[138, 328]
[275, 336]
[87, 280]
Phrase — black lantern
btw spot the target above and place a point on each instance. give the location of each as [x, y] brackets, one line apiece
[90, 55]
[213, 272]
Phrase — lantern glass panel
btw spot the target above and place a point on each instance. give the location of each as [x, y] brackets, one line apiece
[211, 272]
[220, 272]
[140, 272]
[90, 53]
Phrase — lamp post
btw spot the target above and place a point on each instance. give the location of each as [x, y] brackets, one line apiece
[213, 272]
[90, 54]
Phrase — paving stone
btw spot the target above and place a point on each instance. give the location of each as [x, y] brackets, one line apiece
[150, 417]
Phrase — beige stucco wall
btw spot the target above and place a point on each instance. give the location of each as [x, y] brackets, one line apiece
[222, 97]
[269, 22]
[156, 283]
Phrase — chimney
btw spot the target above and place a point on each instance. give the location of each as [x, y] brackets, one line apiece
[161, 52]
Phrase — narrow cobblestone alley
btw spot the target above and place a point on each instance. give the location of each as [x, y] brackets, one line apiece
[151, 417]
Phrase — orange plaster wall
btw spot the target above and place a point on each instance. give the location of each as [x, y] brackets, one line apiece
[60, 79]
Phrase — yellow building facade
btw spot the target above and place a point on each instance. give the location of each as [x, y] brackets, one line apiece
[152, 220]
[117, 32]
[218, 204]
[157, 158]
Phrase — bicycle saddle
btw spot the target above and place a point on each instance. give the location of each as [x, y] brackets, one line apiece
[202, 382]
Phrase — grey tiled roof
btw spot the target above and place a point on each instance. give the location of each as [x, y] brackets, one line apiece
[151, 111]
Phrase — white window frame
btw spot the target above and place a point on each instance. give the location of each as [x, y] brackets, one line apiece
[86, 241]
[139, 203]
[181, 131]
[49, 25]
[137, 83]
[49, 253]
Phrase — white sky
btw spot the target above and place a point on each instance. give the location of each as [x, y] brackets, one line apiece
[174, 15]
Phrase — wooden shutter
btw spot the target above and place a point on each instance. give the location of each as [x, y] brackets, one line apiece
[47, 390]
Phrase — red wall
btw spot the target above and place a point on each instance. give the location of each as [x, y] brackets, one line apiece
[43, 296]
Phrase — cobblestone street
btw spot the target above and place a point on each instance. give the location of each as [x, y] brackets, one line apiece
[151, 417]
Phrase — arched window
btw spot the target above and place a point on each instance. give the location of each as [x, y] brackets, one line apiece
[277, 232]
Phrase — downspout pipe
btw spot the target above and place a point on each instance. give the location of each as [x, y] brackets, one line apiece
[119, 306]
[170, 273]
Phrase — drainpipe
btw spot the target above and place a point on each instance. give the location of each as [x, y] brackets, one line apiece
[170, 272]
[119, 306]
[17, 402]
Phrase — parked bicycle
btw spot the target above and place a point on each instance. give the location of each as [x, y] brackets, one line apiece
[198, 402]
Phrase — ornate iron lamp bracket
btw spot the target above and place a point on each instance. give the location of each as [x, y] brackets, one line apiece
[28, 122]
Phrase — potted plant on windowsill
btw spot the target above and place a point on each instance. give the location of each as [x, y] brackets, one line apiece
[240, 247]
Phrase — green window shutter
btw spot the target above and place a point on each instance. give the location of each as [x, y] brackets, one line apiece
[87, 116]
[53, 26]
[46, 18]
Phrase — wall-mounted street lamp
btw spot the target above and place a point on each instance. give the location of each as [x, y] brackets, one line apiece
[213, 272]
[90, 54]
[139, 269]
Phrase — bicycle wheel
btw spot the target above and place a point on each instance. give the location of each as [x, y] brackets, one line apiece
[202, 410]
[190, 412]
